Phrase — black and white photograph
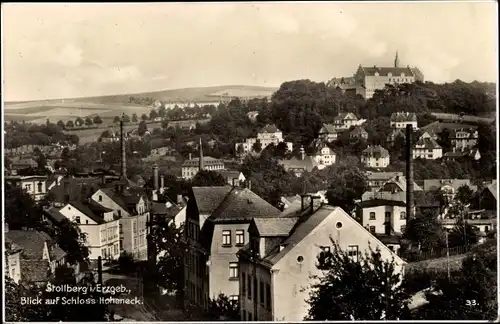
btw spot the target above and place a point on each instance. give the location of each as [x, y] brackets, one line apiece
[250, 161]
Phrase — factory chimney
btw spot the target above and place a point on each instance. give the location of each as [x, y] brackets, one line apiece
[155, 177]
[409, 173]
[123, 150]
[201, 166]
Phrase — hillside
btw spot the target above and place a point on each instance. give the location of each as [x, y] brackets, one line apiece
[201, 94]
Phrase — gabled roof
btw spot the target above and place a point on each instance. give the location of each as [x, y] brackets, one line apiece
[230, 174]
[403, 117]
[115, 197]
[382, 175]
[33, 242]
[207, 160]
[85, 208]
[329, 128]
[54, 214]
[400, 181]
[359, 131]
[269, 129]
[209, 198]
[437, 127]
[427, 143]
[380, 202]
[275, 226]
[307, 164]
[376, 152]
[345, 116]
[11, 247]
[242, 205]
[434, 184]
[493, 188]
[384, 71]
[395, 134]
[75, 188]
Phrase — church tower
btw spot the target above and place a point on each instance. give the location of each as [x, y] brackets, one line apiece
[396, 60]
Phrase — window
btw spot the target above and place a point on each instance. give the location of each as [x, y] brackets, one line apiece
[77, 219]
[119, 213]
[243, 283]
[103, 235]
[121, 245]
[372, 215]
[121, 228]
[403, 215]
[135, 227]
[249, 295]
[261, 292]
[27, 187]
[233, 270]
[403, 228]
[226, 238]
[240, 237]
[372, 229]
[100, 197]
[103, 253]
[135, 242]
[268, 296]
[39, 187]
[353, 252]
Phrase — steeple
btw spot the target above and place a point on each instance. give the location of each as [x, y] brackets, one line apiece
[396, 60]
[201, 157]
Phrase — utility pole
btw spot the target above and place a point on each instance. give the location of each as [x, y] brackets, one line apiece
[99, 270]
[447, 256]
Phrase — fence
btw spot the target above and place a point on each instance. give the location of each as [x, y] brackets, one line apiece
[422, 256]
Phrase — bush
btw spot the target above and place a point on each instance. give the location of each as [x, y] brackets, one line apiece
[126, 262]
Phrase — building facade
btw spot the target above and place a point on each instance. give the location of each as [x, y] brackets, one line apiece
[427, 148]
[399, 120]
[35, 186]
[268, 135]
[375, 157]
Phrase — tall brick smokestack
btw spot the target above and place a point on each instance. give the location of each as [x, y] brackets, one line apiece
[156, 183]
[123, 150]
[201, 162]
[409, 172]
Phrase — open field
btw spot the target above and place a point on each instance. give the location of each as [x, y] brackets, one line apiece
[107, 107]
[91, 135]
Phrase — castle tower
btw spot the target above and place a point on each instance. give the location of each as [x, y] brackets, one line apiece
[396, 60]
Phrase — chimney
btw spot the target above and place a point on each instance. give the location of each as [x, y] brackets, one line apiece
[190, 156]
[249, 184]
[155, 177]
[311, 202]
[302, 153]
[179, 199]
[123, 150]
[303, 202]
[201, 157]
[235, 183]
[409, 172]
[162, 182]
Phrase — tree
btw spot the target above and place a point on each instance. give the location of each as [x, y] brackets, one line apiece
[207, 178]
[65, 155]
[88, 121]
[97, 120]
[142, 129]
[69, 124]
[73, 241]
[162, 111]
[223, 308]
[470, 294]
[464, 194]
[144, 117]
[425, 231]
[347, 184]
[153, 114]
[116, 120]
[365, 289]
[134, 118]
[79, 122]
[60, 124]
[126, 262]
[257, 146]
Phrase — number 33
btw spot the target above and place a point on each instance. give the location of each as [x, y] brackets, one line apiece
[471, 302]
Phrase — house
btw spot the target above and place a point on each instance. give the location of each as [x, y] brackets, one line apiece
[277, 263]
[98, 224]
[464, 138]
[397, 184]
[323, 154]
[358, 132]
[23, 164]
[399, 120]
[384, 218]
[429, 134]
[488, 197]
[131, 208]
[377, 179]
[345, 121]
[448, 187]
[375, 157]
[422, 200]
[40, 256]
[12, 262]
[192, 166]
[35, 186]
[396, 133]
[233, 178]
[267, 135]
[483, 225]
[299, 165]
[460, 155]
[172, 213]
[217, 221]
[328, 132]
[187, 125]
[427, 148]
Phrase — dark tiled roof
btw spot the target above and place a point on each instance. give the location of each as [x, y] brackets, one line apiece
[437, 127]
[75, 188]
[427, 143]
[380, 202]
[345, 116]
[275, 226]
[35, 270]
[330, 128]
[84, 208]
[269, 129]
[32, 243]
[384, 71]
[207, 160]
[11, 247]
[358, 131]
[434, 184]
[395, 134]
[243, 205]
[376, 152]
[493, 188]
[54, 214]
[400, 181]
[115, 197]
[382, 175]
[403, 117]
[209, 198]
[389, 239]
[158, 208]
[230, 174]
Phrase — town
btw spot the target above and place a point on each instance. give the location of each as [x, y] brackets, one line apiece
[370, 195]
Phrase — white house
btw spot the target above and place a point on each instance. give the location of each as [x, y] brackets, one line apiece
[324, 155]
[427, 148]
[375, 157]
[268, 135]
[399, 120]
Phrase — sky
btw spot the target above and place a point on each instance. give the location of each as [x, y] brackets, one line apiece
[78, 50]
